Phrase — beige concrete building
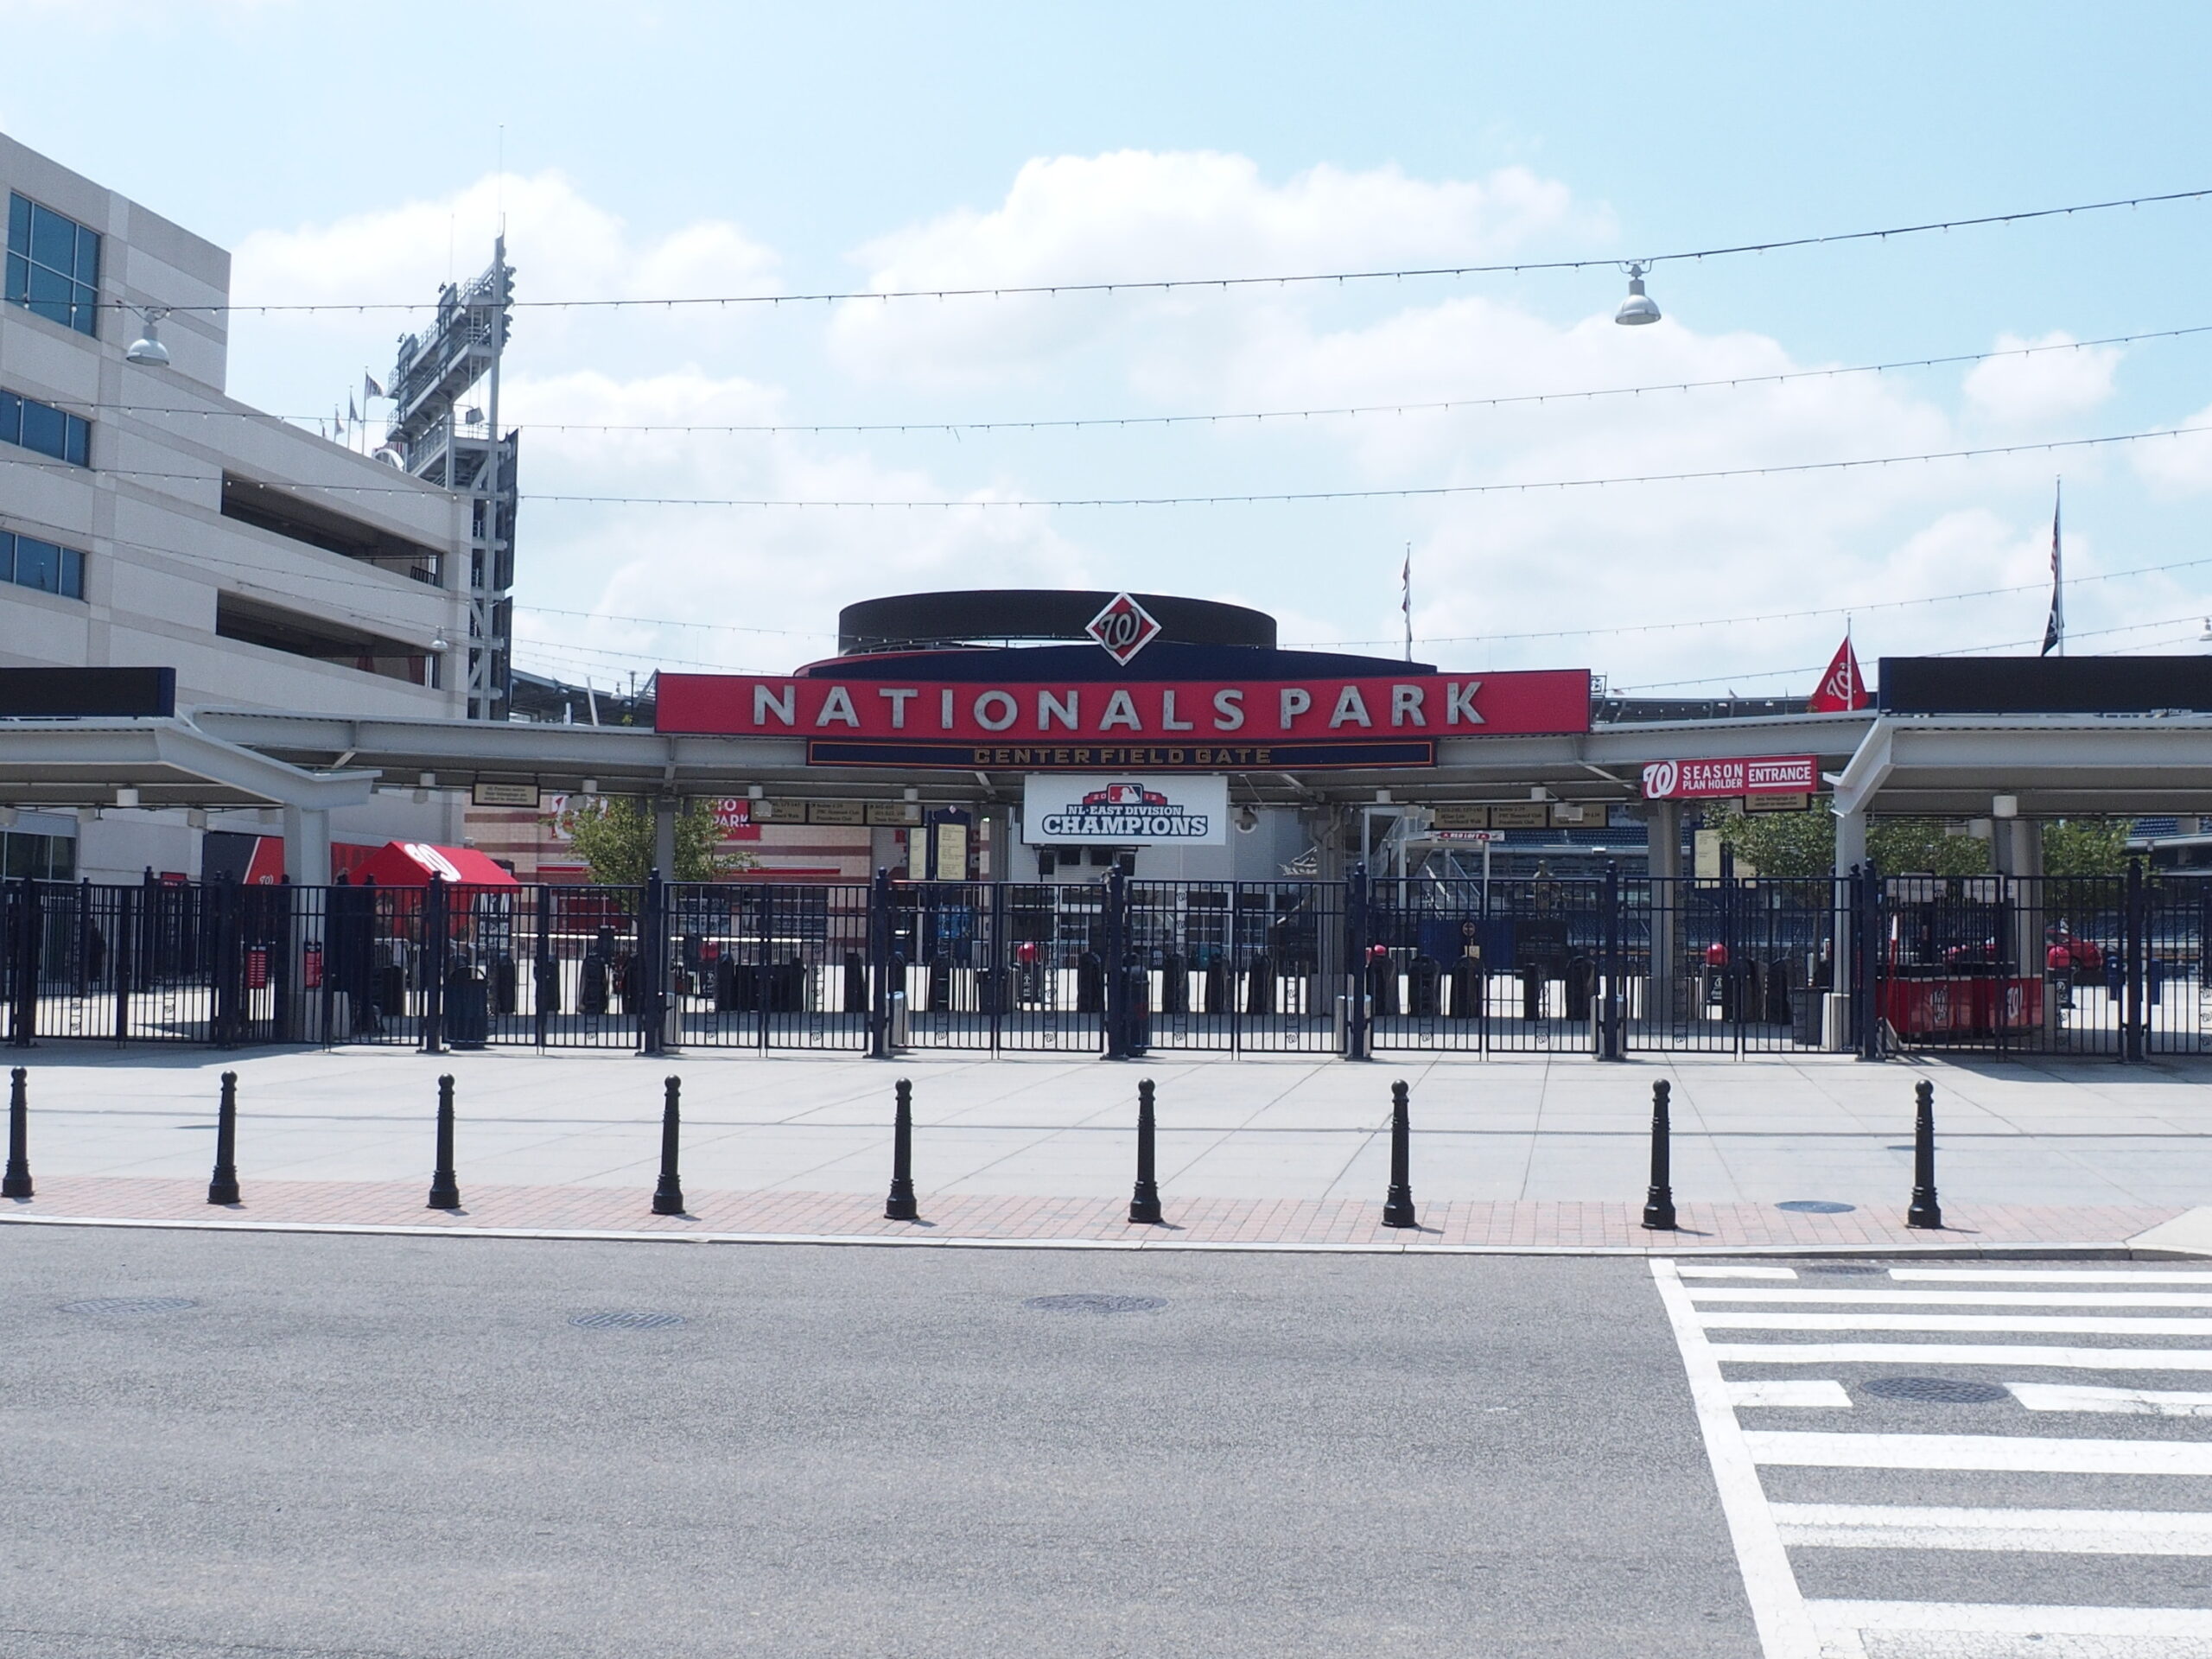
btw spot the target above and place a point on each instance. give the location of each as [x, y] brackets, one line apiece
[147, 518]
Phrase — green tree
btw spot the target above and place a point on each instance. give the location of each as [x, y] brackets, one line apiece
[2085, 847]
[1792, 844]
[1780, 844]
[1923, 846]
[613, 836]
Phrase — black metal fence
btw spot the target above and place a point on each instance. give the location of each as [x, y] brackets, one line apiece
[1607, 965]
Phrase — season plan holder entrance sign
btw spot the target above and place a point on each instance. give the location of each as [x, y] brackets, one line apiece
[1139, 725]
[1766, 774]
[1116, 810]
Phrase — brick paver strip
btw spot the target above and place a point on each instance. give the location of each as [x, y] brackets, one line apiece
[1198, 1222]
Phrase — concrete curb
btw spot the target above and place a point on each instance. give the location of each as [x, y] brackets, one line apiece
[2119, 1252]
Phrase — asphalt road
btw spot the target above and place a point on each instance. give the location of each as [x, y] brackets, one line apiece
[355, 1447]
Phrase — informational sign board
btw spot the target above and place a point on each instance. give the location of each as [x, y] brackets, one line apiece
[1122, 810]
[1461, 815]
[1770, 774]
[1520, 815]
[504, 795]
[1140, 725]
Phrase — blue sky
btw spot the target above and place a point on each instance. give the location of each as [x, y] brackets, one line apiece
[661, 148]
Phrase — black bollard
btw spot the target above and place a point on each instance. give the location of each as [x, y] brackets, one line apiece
[445, 1189]
[17, 1184]
[223, 1188]
[1659, 1201]
[668, 1196]
[900, 1206]
[1925, 1212]
[1144, 1203]
[1398, 1208]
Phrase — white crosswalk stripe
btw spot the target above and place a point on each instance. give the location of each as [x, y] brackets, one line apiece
[2056, 1325]
[1791, 1393]
[2141, 1402]
[2035, 1508]
[1705, 1294]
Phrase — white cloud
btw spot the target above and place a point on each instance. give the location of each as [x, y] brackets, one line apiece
[560, 245]
[565, 246]
[1492, 564]
[2023, 391]
[2180, 466]
[1135, 214]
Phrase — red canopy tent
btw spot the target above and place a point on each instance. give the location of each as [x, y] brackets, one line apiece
[412, 863]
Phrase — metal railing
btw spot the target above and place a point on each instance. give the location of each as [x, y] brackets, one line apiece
[2110, 966]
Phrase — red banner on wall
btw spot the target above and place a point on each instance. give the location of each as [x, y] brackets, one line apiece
[1419, 706]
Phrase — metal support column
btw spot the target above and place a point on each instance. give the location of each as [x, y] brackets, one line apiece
[430, 965]
[648, 998]
[879, 966]
[1609, 1015]
[1355, 925]
[1866, 993]
[2134, 929]
[1663, 856]
[1117, 976]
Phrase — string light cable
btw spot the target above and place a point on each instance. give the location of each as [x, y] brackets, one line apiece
[1158, 285]
[384, 591]
[1859, 609]
[1957, 651]
[1215, 418]
[1766, 616]
[983, 503]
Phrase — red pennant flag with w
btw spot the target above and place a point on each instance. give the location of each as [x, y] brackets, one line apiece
[1841, 687]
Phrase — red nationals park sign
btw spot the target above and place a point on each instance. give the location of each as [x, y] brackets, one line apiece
[1103, 725]
[1770, 774]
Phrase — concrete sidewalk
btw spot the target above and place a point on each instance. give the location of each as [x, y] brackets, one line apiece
[1515, 1144]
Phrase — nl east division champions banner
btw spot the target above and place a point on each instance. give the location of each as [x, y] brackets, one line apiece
[1091, 725]
[1107, 809]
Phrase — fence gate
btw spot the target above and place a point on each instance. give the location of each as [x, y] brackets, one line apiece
[1731, 965]
[1513, 964]
[2110, 966]
[994, 966]
[771, 965]
[1235, 966]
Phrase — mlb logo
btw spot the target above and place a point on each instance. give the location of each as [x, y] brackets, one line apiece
[1124, 628]
[1124, 795]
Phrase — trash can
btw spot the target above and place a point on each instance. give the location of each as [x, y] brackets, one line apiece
[1805, 1016]
[467, 1009]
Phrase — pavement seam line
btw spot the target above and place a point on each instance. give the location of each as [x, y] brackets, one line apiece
[2082, 1252]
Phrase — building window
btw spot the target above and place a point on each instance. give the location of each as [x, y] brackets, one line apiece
[28, 562]
[43, 858]
[54, 266]
[51, 431]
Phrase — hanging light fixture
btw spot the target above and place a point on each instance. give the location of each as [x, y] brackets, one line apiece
[148, 349]
[1639, 308]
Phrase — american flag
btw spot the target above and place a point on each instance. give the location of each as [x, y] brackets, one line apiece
[2054, 631]
[1406, 599]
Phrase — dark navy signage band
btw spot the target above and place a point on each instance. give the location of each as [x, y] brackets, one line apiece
[1198, 757]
